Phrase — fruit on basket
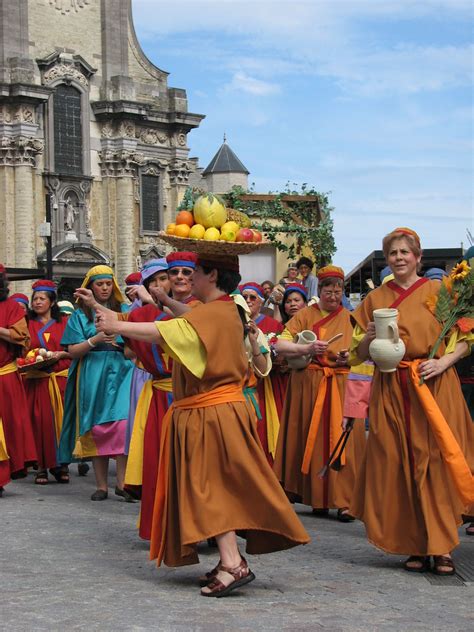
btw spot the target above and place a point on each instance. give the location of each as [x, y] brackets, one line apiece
[35, 356]
[210, 220]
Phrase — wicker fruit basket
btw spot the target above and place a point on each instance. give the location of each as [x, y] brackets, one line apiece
[218, 247]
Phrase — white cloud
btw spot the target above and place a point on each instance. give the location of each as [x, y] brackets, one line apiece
[241, 82]
[271, 38]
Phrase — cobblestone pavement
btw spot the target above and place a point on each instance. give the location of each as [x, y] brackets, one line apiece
[71, 564]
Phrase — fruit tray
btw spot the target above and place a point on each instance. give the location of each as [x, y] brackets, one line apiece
[218, 247]
[37, 365]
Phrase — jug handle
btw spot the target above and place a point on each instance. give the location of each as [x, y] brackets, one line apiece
[394, 328]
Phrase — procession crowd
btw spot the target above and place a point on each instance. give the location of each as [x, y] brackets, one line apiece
[225, 402]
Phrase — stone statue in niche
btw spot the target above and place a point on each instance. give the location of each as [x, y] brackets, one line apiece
[70, 214]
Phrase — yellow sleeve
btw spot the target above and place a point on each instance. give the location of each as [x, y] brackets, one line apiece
[183, 344]
[286, 335]
[459, 336]
[357, 336]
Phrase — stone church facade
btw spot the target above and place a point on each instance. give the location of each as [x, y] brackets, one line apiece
[90, 128]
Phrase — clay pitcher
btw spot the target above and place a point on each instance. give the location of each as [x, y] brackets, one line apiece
[387, 349]
[303, 338]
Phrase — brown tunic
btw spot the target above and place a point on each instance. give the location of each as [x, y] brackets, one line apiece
[335, 490]
[404, 493]
[219, 479]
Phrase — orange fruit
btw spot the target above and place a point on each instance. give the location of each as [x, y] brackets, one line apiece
[181, 230]
[170, 229]
[185, 217]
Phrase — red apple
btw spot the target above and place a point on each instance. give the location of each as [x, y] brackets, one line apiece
[21, 362]
[257, 235]
[244, 234]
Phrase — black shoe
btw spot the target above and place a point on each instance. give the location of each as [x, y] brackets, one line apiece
[344, 516]
[128, 498]
[99, 494]
[82, 469]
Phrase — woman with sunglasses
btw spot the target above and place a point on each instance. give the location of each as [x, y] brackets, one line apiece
[311, 420]
[181, 266]
[98, 387]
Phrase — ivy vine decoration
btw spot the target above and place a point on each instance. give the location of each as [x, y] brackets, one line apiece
[291, 220]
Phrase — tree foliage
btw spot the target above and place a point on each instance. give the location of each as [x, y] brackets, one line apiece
[291, 225]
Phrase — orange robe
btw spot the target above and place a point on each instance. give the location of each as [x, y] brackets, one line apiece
[405, 494]
[335, 490]
[217, 477]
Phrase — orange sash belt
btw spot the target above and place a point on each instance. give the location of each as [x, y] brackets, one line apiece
[449, 447]
[335, 418]
[222, 395]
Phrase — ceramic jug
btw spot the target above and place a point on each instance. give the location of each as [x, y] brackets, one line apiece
[303, 338]
[387, 349]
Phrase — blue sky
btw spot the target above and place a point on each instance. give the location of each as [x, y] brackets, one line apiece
[371, 100]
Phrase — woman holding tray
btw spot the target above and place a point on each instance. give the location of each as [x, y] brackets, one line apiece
[45, 388]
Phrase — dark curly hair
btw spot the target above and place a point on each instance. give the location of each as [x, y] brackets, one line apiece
[55, 312]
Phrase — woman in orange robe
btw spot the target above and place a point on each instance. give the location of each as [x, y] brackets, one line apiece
[213, 476]
[17, 444]
[312, 416]
[407, 494]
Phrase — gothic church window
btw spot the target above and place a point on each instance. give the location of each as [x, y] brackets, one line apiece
[67, 130]
[150, 203]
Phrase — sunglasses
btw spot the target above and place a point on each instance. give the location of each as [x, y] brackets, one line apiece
[250, 297]
[187, 272]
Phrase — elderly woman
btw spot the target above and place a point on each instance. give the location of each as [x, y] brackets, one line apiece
[408, 491]
[311, 421]
[45, 388]
[98, 387]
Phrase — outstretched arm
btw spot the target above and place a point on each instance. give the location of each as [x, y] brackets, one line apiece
[106, 321]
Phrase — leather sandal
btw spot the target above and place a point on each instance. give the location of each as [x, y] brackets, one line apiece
[422, 561]
[242, 575]
[60, 474]
[344, 516]
[441, 562]
[41, 478]
[206, 578]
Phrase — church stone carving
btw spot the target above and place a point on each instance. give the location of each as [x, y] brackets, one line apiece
[68, 6]
[179, 171]
[19, 150]
[151, 137]
[120, 163]
[64, 71]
